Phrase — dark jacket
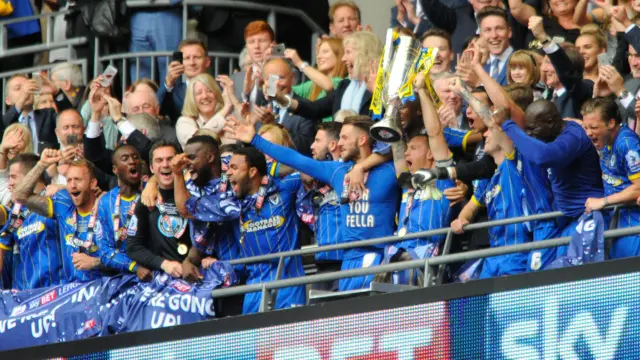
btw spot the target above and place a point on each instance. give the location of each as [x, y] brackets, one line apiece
[330, 104]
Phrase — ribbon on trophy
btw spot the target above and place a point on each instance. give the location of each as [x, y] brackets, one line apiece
[391, 42]
[423, 63]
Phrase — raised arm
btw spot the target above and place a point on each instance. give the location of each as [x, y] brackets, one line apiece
[441, 15]
[317, 77]
[521, 11]
[180, 192]
[437, 143]
[24, 191]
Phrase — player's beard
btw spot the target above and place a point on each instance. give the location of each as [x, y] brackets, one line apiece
[322, 154]
[351, 155]
[204, 175]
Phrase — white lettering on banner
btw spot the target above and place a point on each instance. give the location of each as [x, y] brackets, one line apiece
[160, 319]
[42, 325]
[84, 294]
[403, 343]
[157, 301]
[193, 304]
[6, 325]
[559, 344]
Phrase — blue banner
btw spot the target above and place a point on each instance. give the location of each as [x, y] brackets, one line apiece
[110, 305]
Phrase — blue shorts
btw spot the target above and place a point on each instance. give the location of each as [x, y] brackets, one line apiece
[372, 258]
[504, 265]
[539, 259]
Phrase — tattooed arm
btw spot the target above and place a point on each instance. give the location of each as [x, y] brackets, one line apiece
[24, 191]
[398, 149]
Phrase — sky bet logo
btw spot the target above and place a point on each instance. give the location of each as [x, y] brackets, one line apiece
[596, 319]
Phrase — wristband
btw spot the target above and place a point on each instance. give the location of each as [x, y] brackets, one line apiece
[288, 101]
[303, 65]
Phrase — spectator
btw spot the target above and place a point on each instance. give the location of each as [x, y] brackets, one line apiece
[557, 22]
[276, 134]
[343, 114]
[147, 125]
[203, 108]
[409, 13]
[450, 112]
[68, 77]
[42, 123]
[258, 38]
[590, 44]
[301, 129]
[95, 104]
[523, 69]
[172, 91]
[362, 50]
[441, 40]
[344, 18]
[154, 30]
[330, 72]
[496, 33]
[562, 70]
[16, 140]
[44, 101]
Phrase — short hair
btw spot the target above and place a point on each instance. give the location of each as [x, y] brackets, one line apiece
[160, 144]
[190, 107]
[6, 86]
[192, 42]
[468, 40]
[492, 11]
[341, 3]
[438, 33]
[71, 110]
[126, 103]
[26, 131]
[606, 107]
[362, 122]
[68, 72]
[482, 90]
[543, 120]
[596, 32]
[521, 94]
[146, 124]
[117, 149]
[280, 134]
[525, 59]
[282, 61]
[83, 163]
[331, 128]
[257, 27]
[342, 114]
[229, 148]
[210, 142]
[368, 48]
[150, 83]
[28, 162]
[254, 158]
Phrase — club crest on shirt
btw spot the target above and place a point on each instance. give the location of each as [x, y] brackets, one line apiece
[30, 229]
[170, 225]
[491, 194]
[275, 199]
[633, 161]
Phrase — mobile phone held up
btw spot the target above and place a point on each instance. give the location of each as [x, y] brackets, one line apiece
[177, 56]
[277, 50]
[108, 75]
[603, 60]
[272, 86]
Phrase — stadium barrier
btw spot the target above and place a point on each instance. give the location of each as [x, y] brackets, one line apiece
[269, 289]
[49, 43]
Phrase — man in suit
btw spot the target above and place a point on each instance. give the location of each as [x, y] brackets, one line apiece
[42, 123]
[302, 130]
[495, 29]
[172, 91]
[259, 37]
[562, 71]
[409, 13]
[450, 112]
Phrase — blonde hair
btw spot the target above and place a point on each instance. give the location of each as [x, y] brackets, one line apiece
[525, 59]
[367, 47]
[26, 134]
[342, 114]
[280, 135]
[208, 132]
[596, 33]
[190, 107]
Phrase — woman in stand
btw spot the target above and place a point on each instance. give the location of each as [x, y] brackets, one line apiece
[329, 73]
[204, 108]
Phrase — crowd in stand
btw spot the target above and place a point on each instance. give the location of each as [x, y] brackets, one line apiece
[534, 111]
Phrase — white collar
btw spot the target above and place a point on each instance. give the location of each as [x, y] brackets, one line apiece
[502, 57]
[559, 92]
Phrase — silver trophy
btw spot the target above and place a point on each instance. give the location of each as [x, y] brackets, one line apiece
[388, 129]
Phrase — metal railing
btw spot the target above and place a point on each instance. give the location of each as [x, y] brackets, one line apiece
[48, 44]
[428, 264]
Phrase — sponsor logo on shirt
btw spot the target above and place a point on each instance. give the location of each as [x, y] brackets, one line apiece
[492, 193]
[30, 229]
[611, 180]
[272, 222]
